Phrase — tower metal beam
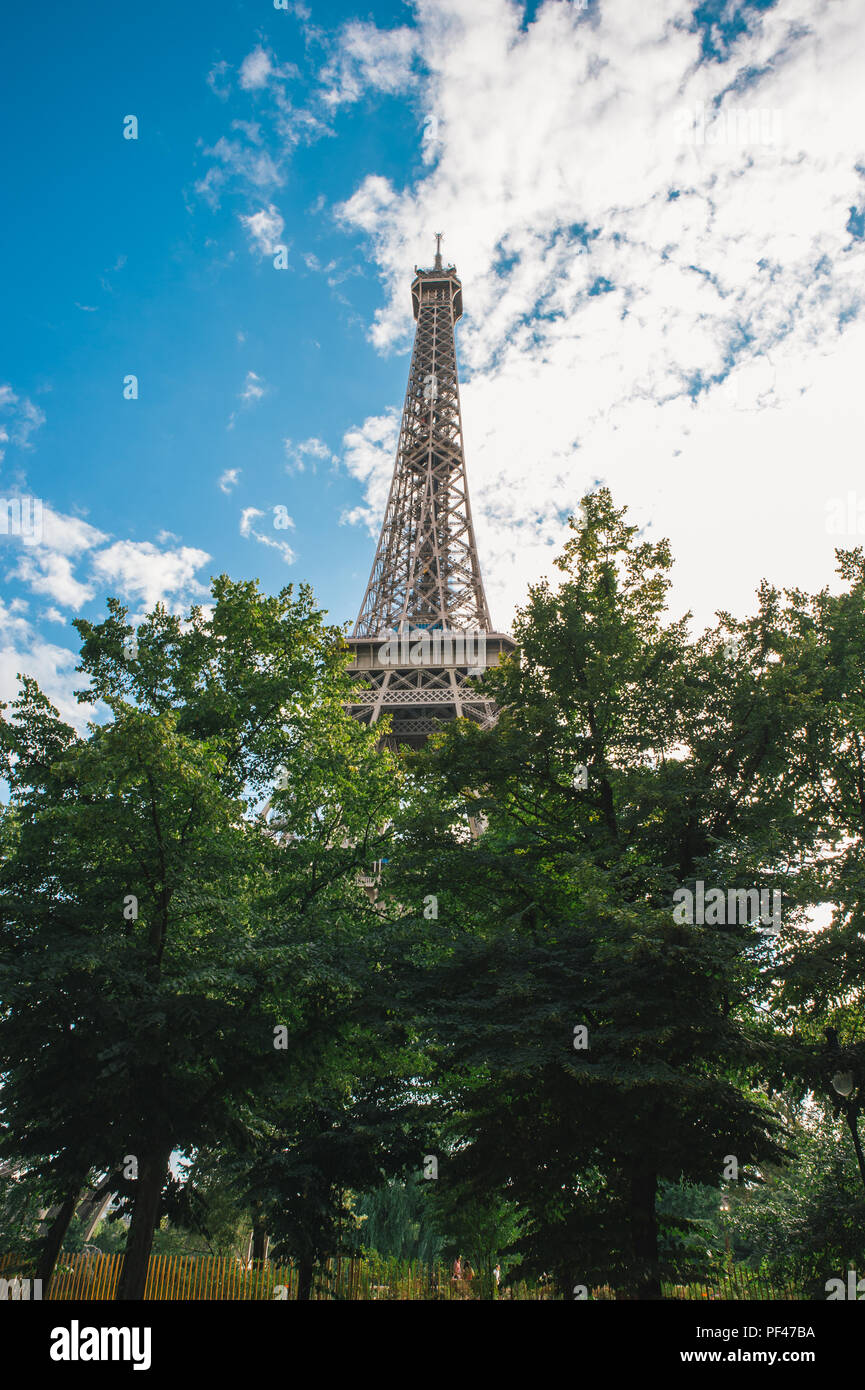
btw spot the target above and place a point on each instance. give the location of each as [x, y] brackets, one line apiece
[424, 625]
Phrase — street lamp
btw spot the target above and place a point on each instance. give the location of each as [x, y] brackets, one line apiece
[725, 1208]
[843, 1083]
[846, 1082]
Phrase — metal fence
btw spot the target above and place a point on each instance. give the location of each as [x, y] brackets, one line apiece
[91, 1275]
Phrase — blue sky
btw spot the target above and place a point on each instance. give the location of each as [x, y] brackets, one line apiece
[674, 313]
[114, 264]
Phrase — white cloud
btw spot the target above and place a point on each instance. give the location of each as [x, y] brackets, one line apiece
[240, 161]
[20, 418]
[279, 520]
[247, 516]
[12, 622]
[255, 69]
[139, 570]
[229, 479]
[316, 447]
[24, 652]
[368, 58]
[68, 535]
[597, 303]
[47, 561]
[254, 388]
[368, 455]
[134, 570]
[265, 229]
[51, 573]
[217, 80]
[297, 454]
[362, 59]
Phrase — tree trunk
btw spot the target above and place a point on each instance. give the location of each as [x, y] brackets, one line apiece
[54, 1238]
[304, 1279]
[93, 1205]
[152, 1170]
[259, 1241]
[644, 1234]
[852, 1121]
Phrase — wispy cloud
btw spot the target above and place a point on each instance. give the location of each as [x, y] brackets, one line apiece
[279, 518]
[298, 454]
[361, 58]
[239, 161]
[247, 516]
[19, 418]
[254, 388]
[218, 80]
[255, 69]
[264, 229]
[368, 58]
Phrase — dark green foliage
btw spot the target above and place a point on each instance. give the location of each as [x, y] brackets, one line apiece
[629, 762]
[805, 1222]
[561, 915]
[398, 1219]
[156, 928]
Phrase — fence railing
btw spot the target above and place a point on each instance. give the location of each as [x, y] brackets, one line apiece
[92, 1275]
[734, 1284]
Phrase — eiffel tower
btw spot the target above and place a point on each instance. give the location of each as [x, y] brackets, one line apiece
[424, 627]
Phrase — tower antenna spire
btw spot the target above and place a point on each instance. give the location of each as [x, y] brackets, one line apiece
[438, 259]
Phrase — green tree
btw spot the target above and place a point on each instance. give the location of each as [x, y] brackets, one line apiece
[398, 1219]
[804, 1221]
[627, 763]
[819, 643]
[157, 927]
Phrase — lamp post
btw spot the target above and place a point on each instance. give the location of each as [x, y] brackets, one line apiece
[725, 1208]
[846, 1075]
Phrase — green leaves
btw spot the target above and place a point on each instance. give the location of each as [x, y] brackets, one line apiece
[163, 906]
[182, 881]
[560, 914]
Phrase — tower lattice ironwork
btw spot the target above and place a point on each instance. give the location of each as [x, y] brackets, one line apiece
[424, 625]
